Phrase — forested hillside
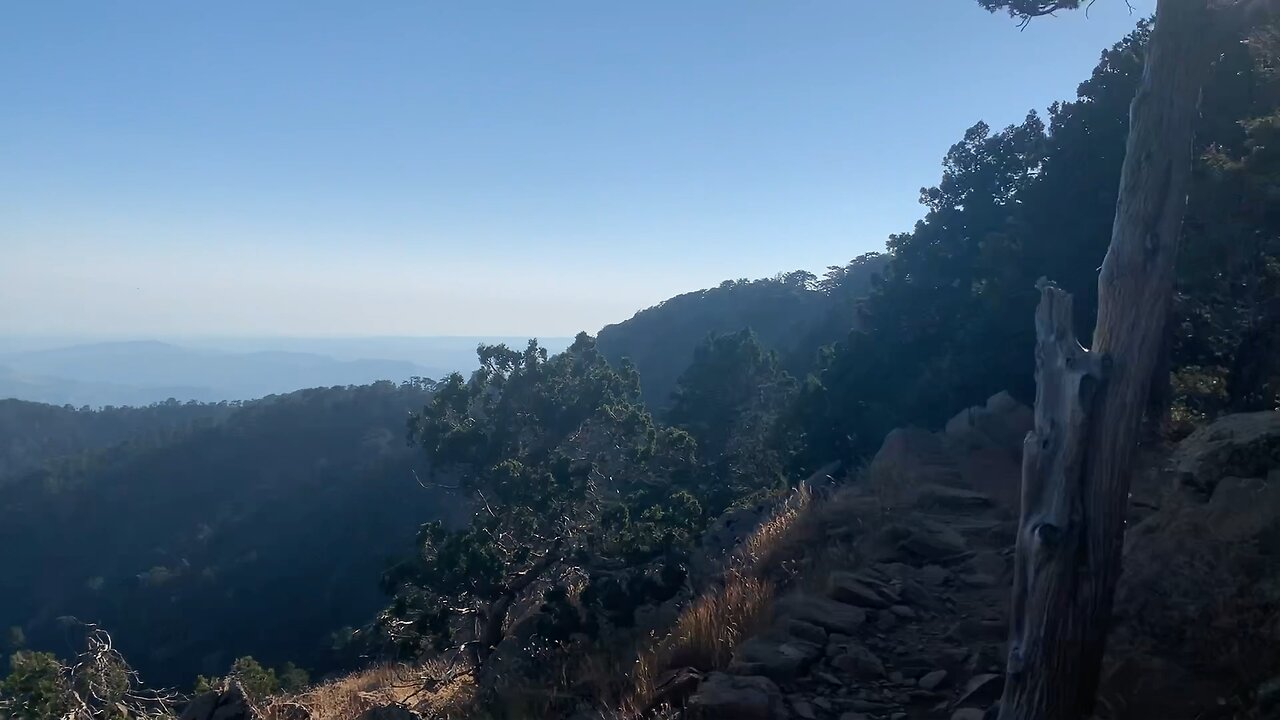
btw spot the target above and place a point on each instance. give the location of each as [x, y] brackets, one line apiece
[262, 533]
[952, 322]
[792, 314]
[33, 434]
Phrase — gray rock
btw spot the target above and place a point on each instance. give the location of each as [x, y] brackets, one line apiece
[903, 611]
[932, 680]
[977, 580]
[737, 697]
[970, 630]
[859, 661]
[968, 714]
[829, 679]
[935, 543]
[863, 705]
[802, 708]
[918, 454]
[848, 588]
[1243, 445]
[805, 631]
[982, 690]
[777, 659]
[951, 498]
[226, 703]
[1000, 424]
[853, 716]
[934, 575]
[988, 562]
[913, 593]
[829, 614]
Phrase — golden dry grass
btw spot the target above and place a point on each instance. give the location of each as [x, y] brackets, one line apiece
[780, 539]
[345, 698]
[708, 631]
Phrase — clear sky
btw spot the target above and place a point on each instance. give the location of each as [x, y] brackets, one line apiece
[327, 168]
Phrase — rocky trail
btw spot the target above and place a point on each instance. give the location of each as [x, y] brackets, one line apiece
[910, 620]
[915, 625]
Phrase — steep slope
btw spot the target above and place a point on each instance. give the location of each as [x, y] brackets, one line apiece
[261, 534]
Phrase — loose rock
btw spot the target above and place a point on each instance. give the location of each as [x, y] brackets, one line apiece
[932, 680]
[847, 588]
[982, 690]
[773, 658]
[736, 697]
[829, 614]
[859, 661]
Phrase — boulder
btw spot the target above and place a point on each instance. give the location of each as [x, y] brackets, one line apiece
[828, 614]
[856, 660]
[848, 588]
[1001, 423]
[779, 659]
[226, 703]
[902, 611]
[982, 690]
[1242, 445]
[802, 708]
[951, 498]
[988, 562]
[917, 454]
[723, 696]
[805, 631]
[932, 680]
[934, 543]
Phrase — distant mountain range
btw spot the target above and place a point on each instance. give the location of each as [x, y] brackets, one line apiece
[144, 372]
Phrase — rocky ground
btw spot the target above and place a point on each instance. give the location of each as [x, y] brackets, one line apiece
[911, 621]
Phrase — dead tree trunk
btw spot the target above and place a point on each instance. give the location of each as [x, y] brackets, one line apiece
[1077, 460]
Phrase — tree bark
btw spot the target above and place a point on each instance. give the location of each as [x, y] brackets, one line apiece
[1077, 460]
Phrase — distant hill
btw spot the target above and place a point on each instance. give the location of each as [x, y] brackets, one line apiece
[140, 373]
[793, 314]
[258, 529]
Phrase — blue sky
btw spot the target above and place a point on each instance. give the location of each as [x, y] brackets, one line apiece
[420, 168]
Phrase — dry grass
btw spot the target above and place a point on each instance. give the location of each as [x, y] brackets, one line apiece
[780, 540]
[347, 697]
[711, 627]
[705, 635]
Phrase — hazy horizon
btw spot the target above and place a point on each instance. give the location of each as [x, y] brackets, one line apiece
[312, 169]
